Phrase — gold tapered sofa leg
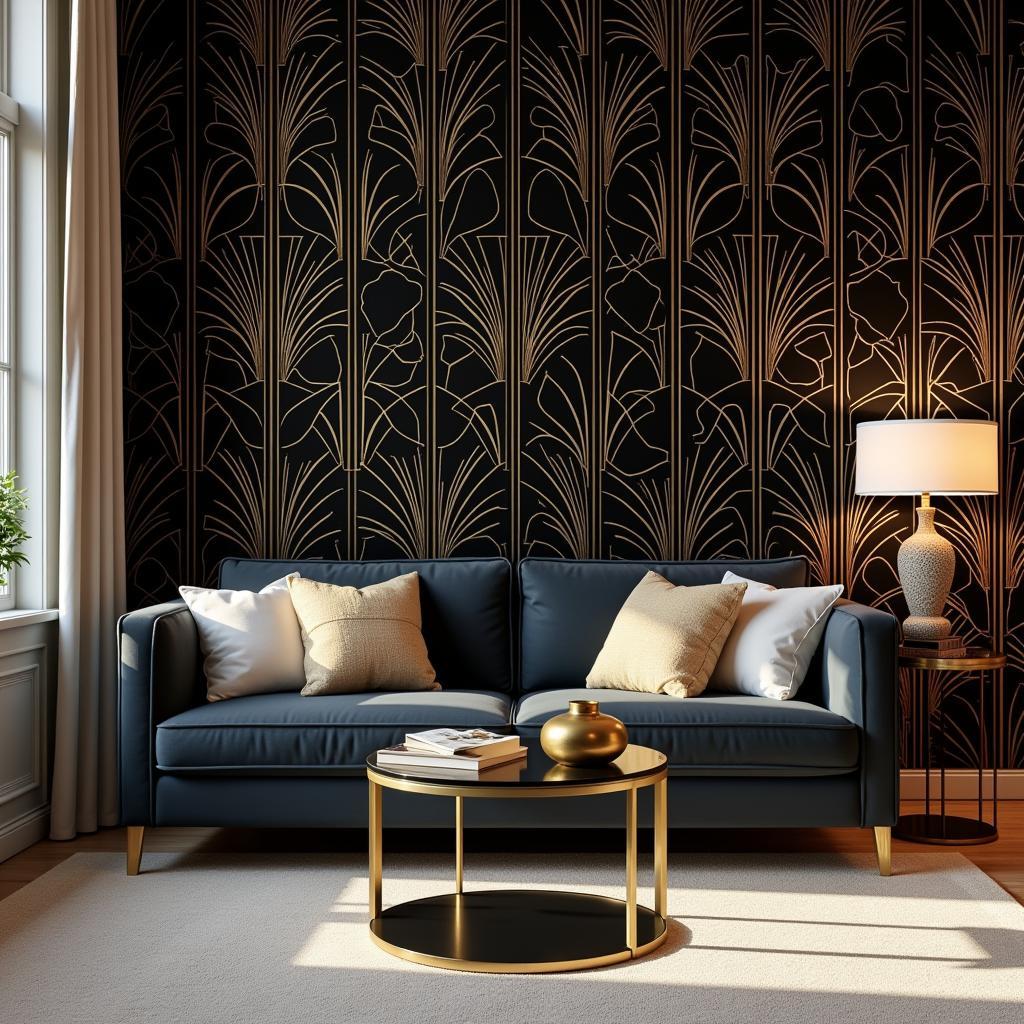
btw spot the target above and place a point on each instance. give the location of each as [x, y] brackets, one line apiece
[135, 834]
[883, 847]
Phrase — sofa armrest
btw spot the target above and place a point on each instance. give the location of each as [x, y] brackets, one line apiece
[158, 677]
[859, 682]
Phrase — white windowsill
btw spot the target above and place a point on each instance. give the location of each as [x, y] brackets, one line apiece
[27, 617]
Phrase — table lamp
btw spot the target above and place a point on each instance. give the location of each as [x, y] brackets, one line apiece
[927, 457]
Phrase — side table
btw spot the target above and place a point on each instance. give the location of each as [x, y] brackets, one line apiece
[942, 828]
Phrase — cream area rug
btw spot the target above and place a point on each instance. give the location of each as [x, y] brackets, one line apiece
[283, 938]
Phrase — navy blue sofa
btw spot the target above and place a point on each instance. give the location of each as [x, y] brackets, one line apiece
[507, 649]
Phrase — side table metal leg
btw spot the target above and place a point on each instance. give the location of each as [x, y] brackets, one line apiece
[997, 720]
[941, 685]
[631, 939]
[458, 843]
[376, 860]
[661, 848]
[982, 741]
[926, 684]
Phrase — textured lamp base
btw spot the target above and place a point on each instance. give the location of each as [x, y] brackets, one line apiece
[926, 627]
[926, 563]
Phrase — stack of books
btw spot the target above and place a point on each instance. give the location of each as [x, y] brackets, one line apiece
[463, 750]
[948, 647]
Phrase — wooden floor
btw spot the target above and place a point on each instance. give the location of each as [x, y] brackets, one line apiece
[1002, 860]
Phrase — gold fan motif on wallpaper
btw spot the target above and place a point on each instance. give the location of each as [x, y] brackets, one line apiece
[580, 278]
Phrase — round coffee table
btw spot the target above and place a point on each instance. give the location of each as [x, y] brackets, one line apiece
[525, 931]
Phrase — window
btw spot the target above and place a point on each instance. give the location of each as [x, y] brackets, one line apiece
[34, 67]
[8, 123]
[8, 120]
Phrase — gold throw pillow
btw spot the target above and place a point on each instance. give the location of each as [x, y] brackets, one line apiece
[357, 640]
[667, 639]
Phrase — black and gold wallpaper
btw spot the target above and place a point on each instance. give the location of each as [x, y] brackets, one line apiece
[585, 279]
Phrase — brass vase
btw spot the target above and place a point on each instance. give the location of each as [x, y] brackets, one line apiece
[583, 737]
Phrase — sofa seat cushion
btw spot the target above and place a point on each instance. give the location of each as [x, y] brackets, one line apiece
[284, 732]
[717, 733]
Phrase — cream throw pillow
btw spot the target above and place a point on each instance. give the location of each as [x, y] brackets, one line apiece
[357, 640]
[250, 642]
[776, 634]
[666, 639]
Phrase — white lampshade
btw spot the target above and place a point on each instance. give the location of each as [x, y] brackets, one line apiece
[928, 456]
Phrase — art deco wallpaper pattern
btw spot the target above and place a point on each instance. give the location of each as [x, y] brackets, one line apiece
[587, 279]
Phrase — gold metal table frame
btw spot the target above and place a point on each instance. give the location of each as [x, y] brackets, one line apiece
[928, 691]
[447, 931]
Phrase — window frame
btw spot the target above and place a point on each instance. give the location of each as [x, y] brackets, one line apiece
[35, 70]
[8, 321]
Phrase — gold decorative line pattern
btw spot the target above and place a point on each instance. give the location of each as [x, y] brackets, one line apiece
[550, 277]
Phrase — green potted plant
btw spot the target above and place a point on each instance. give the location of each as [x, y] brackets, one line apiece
[13, 503]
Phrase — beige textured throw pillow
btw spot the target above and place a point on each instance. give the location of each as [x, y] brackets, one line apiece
[357, 640]
[666, 639]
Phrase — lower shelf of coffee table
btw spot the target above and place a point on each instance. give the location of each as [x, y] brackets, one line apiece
[526, 931]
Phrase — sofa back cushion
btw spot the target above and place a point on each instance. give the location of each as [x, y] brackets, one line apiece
[567, 607]
[465, 604]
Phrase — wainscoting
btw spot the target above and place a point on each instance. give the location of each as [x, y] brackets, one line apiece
[28, 678]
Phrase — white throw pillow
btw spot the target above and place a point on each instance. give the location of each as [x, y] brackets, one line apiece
[773, 639]
[251, 643]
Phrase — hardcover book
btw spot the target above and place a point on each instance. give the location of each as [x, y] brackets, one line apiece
[461, 741]
[947, 643]
[930, 648]
[403, 756]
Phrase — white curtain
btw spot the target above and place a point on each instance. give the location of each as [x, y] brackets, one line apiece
[92, 588]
